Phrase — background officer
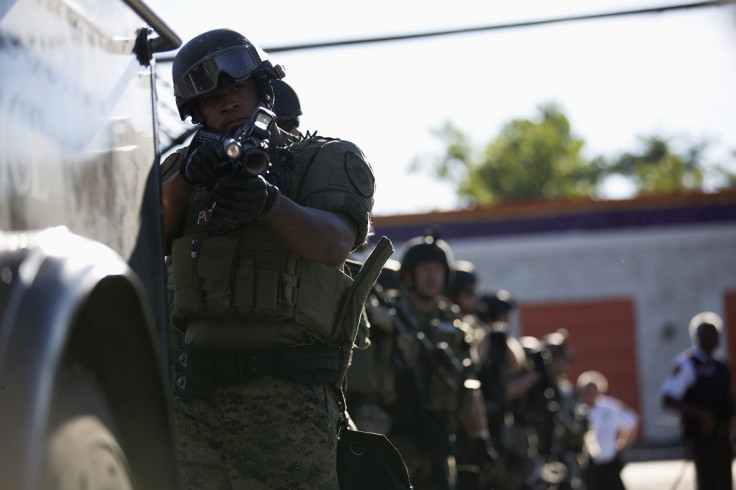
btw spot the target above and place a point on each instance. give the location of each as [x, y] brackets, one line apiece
[699, 388]
[370, 377]
[564, 440]
[258, 274]
[432, 404]
[286, 106]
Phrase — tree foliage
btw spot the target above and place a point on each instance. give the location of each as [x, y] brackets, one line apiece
[533, 159]
[657, 169]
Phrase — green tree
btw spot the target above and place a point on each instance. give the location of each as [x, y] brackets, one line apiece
[656, 169]
[528, 160]
[541, 159]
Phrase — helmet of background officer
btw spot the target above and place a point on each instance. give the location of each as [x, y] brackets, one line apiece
[286, 106]
[705, 330]
[214, 60]
[560, 351]
[427, 265]
[495, 306]
[388, 279]
[462, 288]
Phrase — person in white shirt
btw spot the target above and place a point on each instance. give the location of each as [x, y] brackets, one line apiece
[613, 427]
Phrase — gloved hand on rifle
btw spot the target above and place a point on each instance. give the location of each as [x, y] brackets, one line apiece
[202, 165]
[242, 198]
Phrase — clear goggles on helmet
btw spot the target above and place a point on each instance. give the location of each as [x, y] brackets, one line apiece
[203, 77]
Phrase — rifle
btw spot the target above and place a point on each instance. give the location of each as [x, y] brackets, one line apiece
[245, 148]
[493, 382]
[545, 398]
[439, 357]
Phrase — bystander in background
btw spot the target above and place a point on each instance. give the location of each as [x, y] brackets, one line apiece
[612, 427]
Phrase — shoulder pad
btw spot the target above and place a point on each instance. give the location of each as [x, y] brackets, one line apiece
[336, 177]
[172, 163]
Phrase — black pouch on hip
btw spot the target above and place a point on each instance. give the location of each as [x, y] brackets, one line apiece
[366, 461]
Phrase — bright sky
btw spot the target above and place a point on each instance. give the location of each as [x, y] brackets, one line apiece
[671, 74]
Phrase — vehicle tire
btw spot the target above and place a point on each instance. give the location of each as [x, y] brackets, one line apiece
[82, 449]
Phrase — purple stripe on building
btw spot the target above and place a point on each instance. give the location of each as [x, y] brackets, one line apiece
[598, 220]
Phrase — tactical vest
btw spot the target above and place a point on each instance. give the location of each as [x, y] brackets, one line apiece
[249, 276]
[712, 391]
[443, 373]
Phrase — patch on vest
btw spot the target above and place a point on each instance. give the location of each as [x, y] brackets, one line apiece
[360, 174]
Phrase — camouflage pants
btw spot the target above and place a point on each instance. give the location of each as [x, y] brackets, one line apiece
[267, 434]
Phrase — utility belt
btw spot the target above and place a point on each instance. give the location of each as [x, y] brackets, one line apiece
[198, 370]
[691, 430]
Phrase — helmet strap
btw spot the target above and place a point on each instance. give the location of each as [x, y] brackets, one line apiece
[196, 115]
[265, 92]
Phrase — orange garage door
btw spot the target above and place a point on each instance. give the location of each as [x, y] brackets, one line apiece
[602, 334]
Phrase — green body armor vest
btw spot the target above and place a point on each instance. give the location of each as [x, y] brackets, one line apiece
[248, 281]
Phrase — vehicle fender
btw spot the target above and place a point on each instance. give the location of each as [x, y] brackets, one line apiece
[65, 299]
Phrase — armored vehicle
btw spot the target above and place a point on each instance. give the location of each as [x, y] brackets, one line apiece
[83, 312]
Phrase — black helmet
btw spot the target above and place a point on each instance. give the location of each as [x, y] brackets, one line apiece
[493, 305]
[558, 345]
[287, 102]
[464, 278]
[388, 279]
[200, 64]
[428, 248]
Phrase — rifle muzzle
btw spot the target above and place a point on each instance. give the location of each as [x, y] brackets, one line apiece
[252, 160]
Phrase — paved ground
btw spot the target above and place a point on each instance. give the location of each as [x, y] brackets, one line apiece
[659, 475]
[659, 469]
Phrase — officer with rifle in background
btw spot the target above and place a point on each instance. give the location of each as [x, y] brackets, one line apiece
[501, 362]
[492, 359]
[370, 377]
[435, 393]
[570, 422]
[259, 225]
[549, 427]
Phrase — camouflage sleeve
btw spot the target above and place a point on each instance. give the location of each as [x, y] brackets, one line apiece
[341, 180]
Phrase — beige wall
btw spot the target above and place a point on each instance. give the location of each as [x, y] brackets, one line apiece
[670, 273]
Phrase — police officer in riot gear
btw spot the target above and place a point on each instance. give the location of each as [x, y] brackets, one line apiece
[261, 294]
[434, 400]
[462, 289]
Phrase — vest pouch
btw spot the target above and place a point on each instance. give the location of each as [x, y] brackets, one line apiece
[267, 293]
[188, 298]
[215, 268]
[263, 293]
[245, 284]
[321, 292]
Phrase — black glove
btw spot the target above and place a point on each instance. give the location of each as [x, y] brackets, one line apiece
[203, 166]
[241, 199]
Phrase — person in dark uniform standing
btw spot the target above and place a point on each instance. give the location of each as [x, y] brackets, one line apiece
[261, 291]
[699, 388]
